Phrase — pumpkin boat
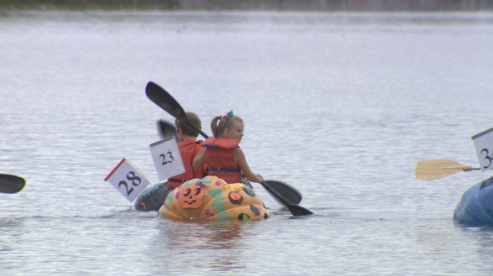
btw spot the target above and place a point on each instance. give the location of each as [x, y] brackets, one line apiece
[211, 198]
[476, 205]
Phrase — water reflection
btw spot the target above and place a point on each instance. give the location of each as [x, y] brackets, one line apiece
[220, 245]
[12, 231]
[204, 235]
[482, 237]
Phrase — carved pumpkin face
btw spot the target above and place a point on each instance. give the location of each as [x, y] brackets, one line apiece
[191, 197]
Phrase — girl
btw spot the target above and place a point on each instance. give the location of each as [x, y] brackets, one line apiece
[222, 154]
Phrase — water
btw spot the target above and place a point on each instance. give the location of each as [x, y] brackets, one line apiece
[342, 106]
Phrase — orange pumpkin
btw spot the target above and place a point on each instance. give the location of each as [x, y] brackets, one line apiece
[211, 198]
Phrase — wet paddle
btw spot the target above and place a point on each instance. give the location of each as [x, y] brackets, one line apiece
[167, 129]
[164, 100]
[295, 209]
[11, 184]
[292, 195]
[435, 169]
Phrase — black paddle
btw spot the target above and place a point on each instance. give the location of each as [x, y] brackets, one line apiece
[295, 209]
[164, 100]
[11, 184]
[166, 129]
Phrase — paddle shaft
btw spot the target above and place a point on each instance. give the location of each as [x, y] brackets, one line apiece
[196, 129]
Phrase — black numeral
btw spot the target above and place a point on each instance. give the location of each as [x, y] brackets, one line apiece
[135, 182]
[487, 157]
[167, 160]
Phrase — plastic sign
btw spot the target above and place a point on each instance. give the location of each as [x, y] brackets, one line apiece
[484, 149]
[167, 158]
[127, 179]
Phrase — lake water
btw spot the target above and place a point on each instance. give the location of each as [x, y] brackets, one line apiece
[339, 105]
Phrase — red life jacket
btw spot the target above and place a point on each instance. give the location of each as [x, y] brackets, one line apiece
[219, 159]
[188, 151]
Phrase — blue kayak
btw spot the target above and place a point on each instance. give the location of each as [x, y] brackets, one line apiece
[476, 205]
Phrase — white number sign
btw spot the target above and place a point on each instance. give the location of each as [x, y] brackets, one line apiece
[484, 148]
[167, 158]
[127, 179]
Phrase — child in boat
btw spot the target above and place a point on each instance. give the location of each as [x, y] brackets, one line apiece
[224, 158]
[153, 198]
[189, 148]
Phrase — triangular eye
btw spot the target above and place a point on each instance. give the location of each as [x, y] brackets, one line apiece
[197, 191]
[187, 192]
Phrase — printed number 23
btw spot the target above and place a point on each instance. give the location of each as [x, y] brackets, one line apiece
[135, 182]
[167, 160]
[487, 157]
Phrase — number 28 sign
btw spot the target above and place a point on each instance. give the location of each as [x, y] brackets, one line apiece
[127, 179]
[484, 148]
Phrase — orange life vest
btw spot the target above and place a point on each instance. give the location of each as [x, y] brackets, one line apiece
[188, 151]
[219, 159]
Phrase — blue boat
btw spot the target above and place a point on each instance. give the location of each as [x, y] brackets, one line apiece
[476, 205]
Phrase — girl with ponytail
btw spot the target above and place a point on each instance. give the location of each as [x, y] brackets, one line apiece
[221, 153]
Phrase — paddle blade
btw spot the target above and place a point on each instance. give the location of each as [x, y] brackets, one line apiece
[166, 129]
[11, 184]
[435, 169]
[289, 193]
[297, 210]
[164, 100]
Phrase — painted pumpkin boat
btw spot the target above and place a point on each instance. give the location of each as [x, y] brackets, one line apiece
[211, 198]
[476, 205]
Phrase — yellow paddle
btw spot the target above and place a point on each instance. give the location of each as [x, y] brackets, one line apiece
[435, 169]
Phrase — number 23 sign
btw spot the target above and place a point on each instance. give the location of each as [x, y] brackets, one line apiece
[484, 148]
[167, 158]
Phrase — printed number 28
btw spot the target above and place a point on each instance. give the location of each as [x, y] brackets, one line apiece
[135, 182]
[167, 160]
[487, 157]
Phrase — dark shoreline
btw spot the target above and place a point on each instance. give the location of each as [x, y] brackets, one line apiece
[251, 5]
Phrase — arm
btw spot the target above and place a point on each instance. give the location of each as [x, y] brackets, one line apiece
[199, 160]
[240, 158]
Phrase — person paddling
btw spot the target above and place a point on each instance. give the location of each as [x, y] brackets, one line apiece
[224, 158]
[189, 147]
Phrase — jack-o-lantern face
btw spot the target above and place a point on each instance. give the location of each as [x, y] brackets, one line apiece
[191, 197]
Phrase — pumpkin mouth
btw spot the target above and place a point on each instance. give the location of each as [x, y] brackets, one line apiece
[191, 197]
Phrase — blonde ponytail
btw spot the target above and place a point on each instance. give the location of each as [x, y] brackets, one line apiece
[215, 126]
[228, 121]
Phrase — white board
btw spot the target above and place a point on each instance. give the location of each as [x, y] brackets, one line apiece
[484, 149]
[128, 180]
[167, 158]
